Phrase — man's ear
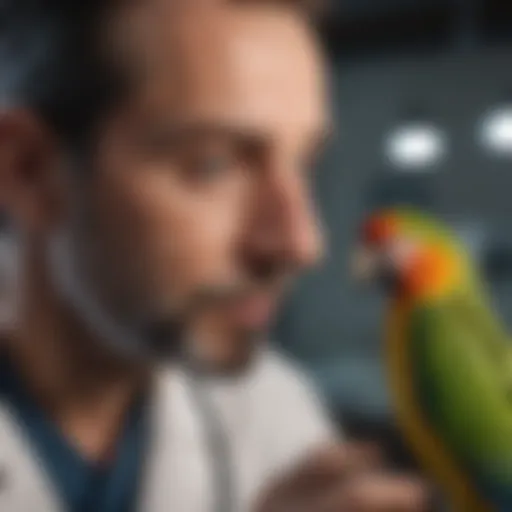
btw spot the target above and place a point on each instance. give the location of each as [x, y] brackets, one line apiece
[29, 170]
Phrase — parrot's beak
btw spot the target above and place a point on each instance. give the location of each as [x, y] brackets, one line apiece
[364, 264]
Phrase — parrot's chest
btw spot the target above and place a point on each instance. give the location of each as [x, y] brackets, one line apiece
[406, 402]
[422, 439]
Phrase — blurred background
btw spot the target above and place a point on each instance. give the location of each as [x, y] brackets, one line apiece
[423, 102]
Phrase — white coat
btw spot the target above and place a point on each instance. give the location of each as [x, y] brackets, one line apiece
[271, 415]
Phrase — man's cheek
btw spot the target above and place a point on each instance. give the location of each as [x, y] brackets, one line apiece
[190, 257]
[181, 240]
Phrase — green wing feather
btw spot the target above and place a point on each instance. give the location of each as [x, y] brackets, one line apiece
[462, 375]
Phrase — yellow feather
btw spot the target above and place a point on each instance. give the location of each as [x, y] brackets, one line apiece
[428, 448]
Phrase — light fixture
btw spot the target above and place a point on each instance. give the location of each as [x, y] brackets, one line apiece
[416, 146]
[495, 130]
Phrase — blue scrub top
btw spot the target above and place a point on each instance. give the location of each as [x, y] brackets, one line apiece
[83, 486]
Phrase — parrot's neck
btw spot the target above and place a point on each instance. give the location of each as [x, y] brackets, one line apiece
[434, 274]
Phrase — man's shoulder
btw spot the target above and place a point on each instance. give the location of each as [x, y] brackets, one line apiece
[292, 412]
[273, 360]
[283, 374]
[288, 393]
[275, 379]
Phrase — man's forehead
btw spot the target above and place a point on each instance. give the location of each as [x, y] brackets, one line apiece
[227, 60]
[196, 32]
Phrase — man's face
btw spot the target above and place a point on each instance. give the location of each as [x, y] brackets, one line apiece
[197, 211]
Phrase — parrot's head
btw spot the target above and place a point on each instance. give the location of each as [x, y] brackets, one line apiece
[410, 252]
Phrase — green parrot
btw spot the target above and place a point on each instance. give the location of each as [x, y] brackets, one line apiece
[448, 356]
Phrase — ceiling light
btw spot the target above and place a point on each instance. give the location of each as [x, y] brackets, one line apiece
[495, 131]
[416, 146]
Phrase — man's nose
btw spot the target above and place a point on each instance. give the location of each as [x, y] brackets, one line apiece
[286, 222]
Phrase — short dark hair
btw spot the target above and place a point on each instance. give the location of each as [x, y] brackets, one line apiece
[50, 61]
[311, 8]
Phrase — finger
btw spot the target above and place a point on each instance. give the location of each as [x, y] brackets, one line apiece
[377, 494]
[324, 465]
[325, 469]
[348, 457]
[364, 455]
[388, 494]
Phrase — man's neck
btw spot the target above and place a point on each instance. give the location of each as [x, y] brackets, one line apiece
[85, 389]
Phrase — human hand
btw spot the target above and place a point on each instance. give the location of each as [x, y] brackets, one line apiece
[346, 478]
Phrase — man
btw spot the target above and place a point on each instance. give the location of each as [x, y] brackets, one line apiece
[154, 158]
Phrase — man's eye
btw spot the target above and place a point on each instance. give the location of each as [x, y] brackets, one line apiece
[209, 168]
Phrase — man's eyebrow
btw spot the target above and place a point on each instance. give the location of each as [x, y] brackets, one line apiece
[178, 132]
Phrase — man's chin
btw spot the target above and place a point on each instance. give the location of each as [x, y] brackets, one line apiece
[229, 356]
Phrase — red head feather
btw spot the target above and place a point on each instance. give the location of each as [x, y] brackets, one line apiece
[379, 228]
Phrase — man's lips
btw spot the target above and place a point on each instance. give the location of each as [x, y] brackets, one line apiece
[253, 311]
